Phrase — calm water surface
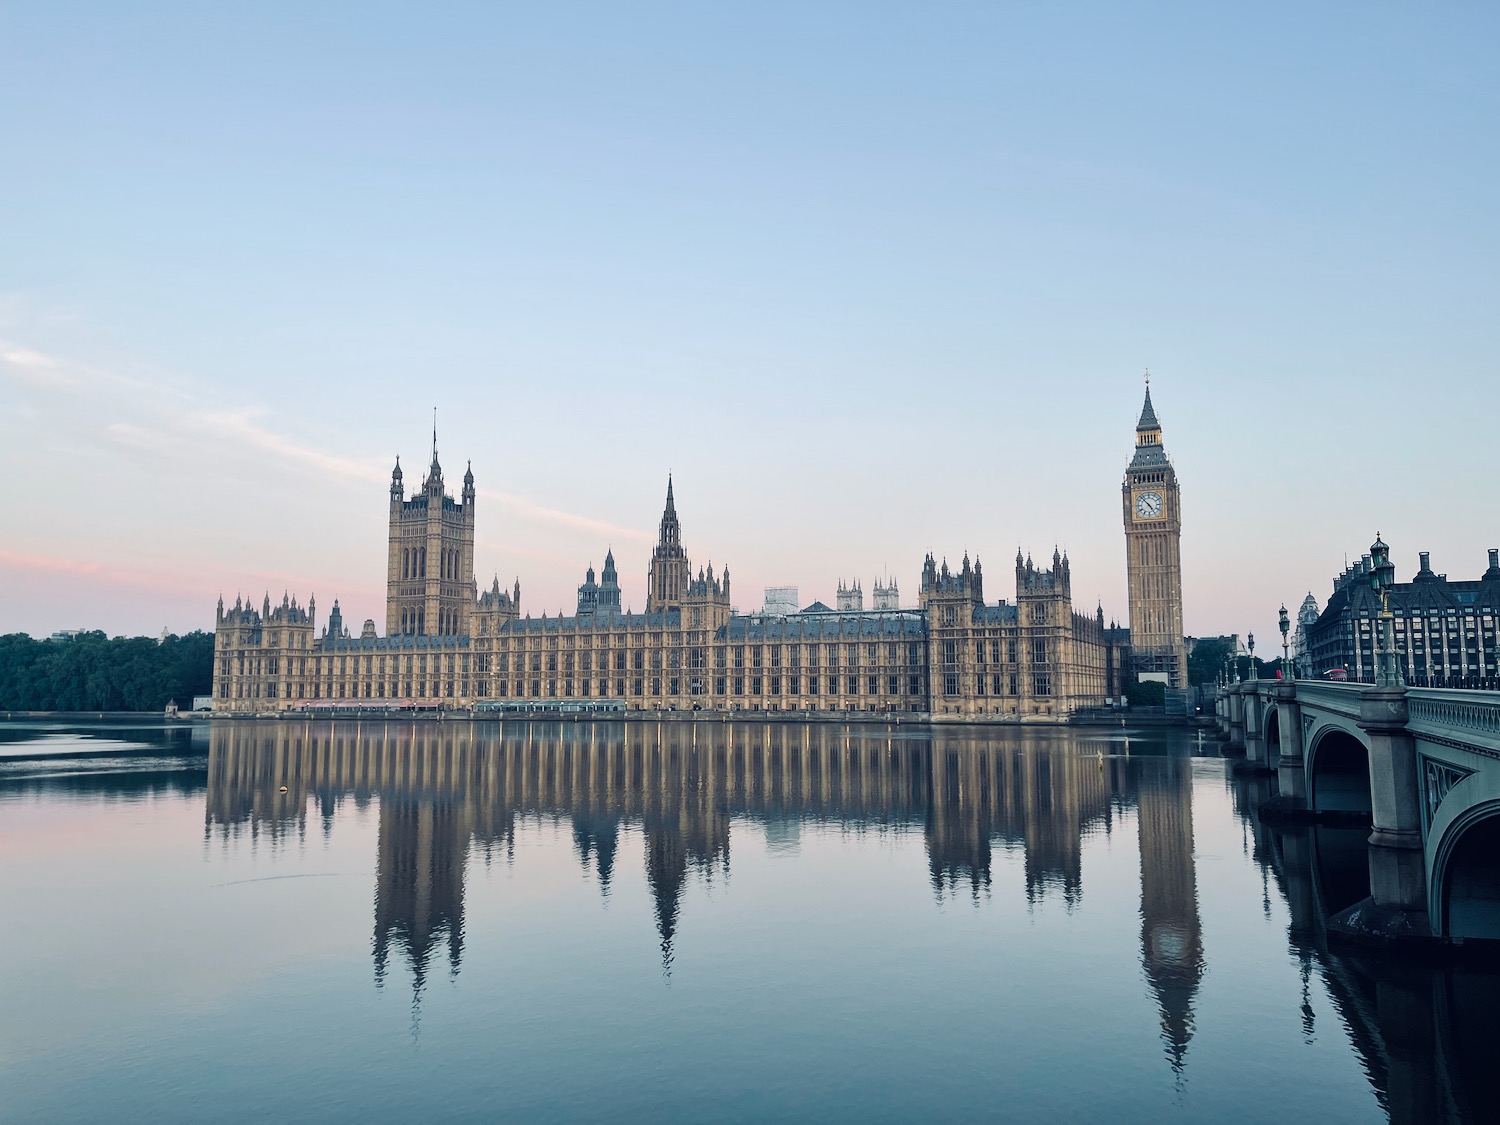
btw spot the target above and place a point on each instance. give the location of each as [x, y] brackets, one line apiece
[681, 922]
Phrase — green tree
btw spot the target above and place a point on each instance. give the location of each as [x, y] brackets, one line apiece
[92, 672]
[1146, 693]
[1206, 660]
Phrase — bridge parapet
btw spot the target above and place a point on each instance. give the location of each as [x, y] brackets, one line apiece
[1327, 695]
[1468, 719]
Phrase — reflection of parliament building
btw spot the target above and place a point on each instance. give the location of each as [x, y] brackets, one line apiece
[446, 789]
[955, 656]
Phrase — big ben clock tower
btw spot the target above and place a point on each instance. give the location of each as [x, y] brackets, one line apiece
[1153, 535]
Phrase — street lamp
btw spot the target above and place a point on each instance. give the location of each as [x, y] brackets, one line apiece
[1285, 625]
[1382, 577]
[1250, 644]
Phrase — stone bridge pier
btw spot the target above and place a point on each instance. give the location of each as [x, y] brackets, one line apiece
[1254, 719]
[1234, 719]
[1397, 906]
[1291, 778]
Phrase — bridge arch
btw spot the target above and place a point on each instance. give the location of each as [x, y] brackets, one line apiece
[1338, 772]
[1271, 724]
[1465, 885]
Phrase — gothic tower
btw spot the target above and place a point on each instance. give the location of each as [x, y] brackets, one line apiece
[1171, 932]
[1153, 536]
[670, 571]
[429, 586]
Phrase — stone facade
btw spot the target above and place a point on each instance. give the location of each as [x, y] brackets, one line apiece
[430, 587]
[955, 657]
[1153, 542]
[1446, 633]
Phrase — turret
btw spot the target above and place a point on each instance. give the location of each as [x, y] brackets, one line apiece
[398, 488]
[668, 575]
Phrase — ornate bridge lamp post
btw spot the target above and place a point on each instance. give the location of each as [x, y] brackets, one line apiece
[1291, 776]
[1397, 906]
[1250, 644]
[1382, 576]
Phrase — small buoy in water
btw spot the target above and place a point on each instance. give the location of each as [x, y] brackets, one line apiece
[283, 788]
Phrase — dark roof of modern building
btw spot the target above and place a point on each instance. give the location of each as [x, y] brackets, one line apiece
[908, 624]
[400, 642]
[602, 618]
[1429, 594]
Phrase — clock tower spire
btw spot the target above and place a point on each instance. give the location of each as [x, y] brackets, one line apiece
[1153, 536]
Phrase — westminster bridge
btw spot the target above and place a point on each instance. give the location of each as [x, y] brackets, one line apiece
[1419, 766]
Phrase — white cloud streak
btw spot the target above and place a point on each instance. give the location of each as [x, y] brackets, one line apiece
[170, 422]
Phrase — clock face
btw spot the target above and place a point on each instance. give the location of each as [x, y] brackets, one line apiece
[1148, 505]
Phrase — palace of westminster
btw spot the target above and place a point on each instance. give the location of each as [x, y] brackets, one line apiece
[955, 657]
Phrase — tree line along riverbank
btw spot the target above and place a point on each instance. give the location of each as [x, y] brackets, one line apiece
[93, 672]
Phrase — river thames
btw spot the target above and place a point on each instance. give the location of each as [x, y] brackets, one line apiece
[689, 921]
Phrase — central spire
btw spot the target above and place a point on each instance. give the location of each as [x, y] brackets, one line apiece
[671, 530]
[1148, 413]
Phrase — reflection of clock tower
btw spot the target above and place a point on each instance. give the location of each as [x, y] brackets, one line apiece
[1153, 534]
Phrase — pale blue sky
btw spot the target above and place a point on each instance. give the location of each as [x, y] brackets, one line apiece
[870, 279]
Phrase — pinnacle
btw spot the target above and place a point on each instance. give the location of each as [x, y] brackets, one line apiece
[1148, 414]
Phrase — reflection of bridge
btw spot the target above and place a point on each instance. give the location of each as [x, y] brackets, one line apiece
[443, 788]
[1423, 765]
[1423, 1029]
